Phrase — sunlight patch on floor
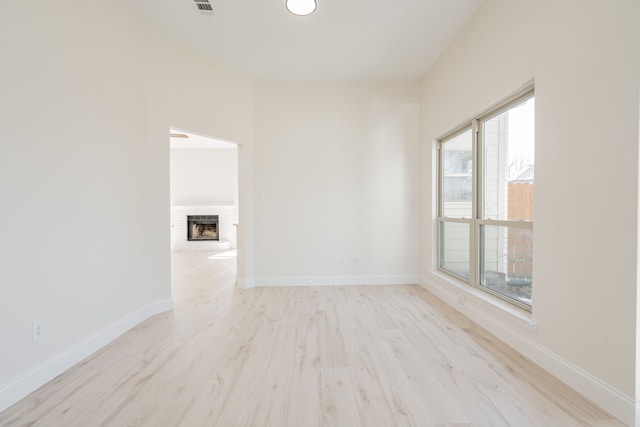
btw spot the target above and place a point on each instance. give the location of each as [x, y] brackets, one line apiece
[223, 255]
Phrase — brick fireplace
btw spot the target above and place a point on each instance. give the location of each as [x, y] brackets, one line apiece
[203, 227]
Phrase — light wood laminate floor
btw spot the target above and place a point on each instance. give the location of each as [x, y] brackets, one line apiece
[302, 357]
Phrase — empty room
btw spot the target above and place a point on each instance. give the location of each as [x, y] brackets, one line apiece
[320, 213]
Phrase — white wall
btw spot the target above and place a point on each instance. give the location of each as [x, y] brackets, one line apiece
[72, 180]
[336, 176]
[584, 59]
[204, 176]
[88, 96]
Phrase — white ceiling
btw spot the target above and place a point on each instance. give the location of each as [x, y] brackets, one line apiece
[342, 40]
[197, 141]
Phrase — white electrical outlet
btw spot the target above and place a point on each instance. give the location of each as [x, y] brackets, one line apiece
[38, 330]
[342, 260]
[355, 261]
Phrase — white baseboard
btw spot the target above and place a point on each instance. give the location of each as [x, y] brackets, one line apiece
[602, 394]
[245, 283]
[16, 389]
[337, 280]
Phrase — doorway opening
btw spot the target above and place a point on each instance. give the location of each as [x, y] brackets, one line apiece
[204, 194]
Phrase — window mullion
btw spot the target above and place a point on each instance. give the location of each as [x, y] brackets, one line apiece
[477, 205]
[440, 210]
[506, 223]
[478, 161]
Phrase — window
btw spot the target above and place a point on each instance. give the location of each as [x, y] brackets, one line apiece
[485, 203]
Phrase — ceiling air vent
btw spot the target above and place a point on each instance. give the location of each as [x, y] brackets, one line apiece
[204, 7]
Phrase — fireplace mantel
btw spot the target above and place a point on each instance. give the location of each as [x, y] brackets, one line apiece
[198, 206]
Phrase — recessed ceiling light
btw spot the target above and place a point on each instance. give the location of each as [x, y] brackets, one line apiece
[301, 7]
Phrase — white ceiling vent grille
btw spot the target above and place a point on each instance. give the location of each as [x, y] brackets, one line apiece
[204, 7]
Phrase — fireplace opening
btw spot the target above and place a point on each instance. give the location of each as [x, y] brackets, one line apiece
[202, 227]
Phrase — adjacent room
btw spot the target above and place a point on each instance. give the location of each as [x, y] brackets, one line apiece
[355, 213]
[203, 192]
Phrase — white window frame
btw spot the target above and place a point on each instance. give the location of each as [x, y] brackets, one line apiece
[477, 205]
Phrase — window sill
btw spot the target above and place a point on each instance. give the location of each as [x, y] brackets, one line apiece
[472, 299]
